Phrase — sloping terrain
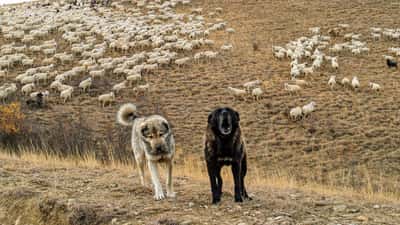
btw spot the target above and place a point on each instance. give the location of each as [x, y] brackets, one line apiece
[351, 139]
[52, 192]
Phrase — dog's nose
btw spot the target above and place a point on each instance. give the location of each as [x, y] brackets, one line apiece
[159, 148]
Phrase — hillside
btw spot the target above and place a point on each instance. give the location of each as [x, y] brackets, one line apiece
[50, 191]
[352, 139]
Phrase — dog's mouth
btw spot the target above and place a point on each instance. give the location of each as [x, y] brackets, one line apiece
[226, 130]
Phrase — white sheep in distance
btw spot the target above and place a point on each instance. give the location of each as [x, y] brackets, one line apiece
[299, 82]
[66, 94]
[345, 81]
[106, 98]
[134, 78]
[237, 93]
[27, 88]
[86, 84]
[292, 88]
[295, 113]
[334, 63]
[120, 86]
[355, 83]
[141, 89]
[309, 108]
[257, 93]
[332, 82]
[251, 84]
[374, 86]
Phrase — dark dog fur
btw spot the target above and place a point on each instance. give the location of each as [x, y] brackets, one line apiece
[224, 145]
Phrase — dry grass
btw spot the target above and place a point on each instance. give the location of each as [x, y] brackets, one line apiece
[195, 169]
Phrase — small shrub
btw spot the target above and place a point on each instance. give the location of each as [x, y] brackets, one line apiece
[11, 119]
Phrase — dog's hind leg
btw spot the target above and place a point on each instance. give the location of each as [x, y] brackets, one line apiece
[243, 174]
[155, 178]
[170, 185]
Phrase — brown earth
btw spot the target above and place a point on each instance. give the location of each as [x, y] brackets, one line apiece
[352, 138]
[51, 192]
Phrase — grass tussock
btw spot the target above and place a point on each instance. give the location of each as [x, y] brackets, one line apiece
[195, 169]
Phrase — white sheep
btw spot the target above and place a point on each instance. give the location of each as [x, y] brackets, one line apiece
[27, 80]
[345, 81]
[355, 83]
[334, 63]
[27, 88]
[300, 82]
[134, 78]
[374, 86]
[97, 73]
[66, 94]
[182, 61]
[237, 93]
[2, 74]
[292, 88]
[120, 86]
[251, 84]
[256, 93]
[142, 88]
[41, 77]
[106, 98]
[86, 84]
[332, 82]
[295, 113]
[309, 108]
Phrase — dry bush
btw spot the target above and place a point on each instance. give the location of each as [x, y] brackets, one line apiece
[11, 118]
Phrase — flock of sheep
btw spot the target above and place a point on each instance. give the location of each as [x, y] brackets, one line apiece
[89, 44]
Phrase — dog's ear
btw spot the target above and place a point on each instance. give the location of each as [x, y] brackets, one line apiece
[165, 126]
[237, 116]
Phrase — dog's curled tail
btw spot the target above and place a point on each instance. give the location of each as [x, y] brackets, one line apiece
[126, 114]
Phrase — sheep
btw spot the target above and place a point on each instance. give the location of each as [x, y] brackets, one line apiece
[355, 83]
[256, 93]
[134, 78]
[309, 108]
[85, 84]
[40, 76]
[141, 88]
[374, 86]
[308, 70]
[2, 74]
[118, 87]
[237, 93]
[300, 82]
[182, 61]
[27, 88]
[295, 113]
[292, 88]
[106, 98]
[55, 84]
[334, 63]
[66, 94]
[27, 79]
[97, 73]
[345, 81]
[251, 84]
[332, 82]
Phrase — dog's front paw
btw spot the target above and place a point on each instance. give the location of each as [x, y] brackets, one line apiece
[238, 199]
[159, 196]
[171, 194]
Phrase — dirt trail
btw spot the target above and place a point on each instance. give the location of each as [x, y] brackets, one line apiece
[36, 193]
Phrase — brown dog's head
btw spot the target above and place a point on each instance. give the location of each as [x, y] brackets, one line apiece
[156, 133]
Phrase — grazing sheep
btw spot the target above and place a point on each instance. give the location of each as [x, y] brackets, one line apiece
[345, 81]
[300, 82]
[295, 113]
[118, 87]
[391, 63]
[86, 84]
[141, 89]
[292, 88]
[55, 84]
[256, 93]
[97, 73]
[182, 61]
[106, 98]
[40, 77]
[375, 87]
[309, 108]
[332, 82]
[238, 93]
[27, 80]
[66, 94]
[2, 74]
[251, 84]
[355, 83]
[27, 88]
[308, 70]
[334, 63]
[133, 78]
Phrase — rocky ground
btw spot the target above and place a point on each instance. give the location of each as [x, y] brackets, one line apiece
[47, 193]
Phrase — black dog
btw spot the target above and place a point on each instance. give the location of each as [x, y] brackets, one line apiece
[391, 63]
[224, 145]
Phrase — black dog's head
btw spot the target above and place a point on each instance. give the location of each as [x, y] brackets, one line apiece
[224, 121]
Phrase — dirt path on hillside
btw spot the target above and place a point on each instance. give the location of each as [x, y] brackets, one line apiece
[42, 194]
